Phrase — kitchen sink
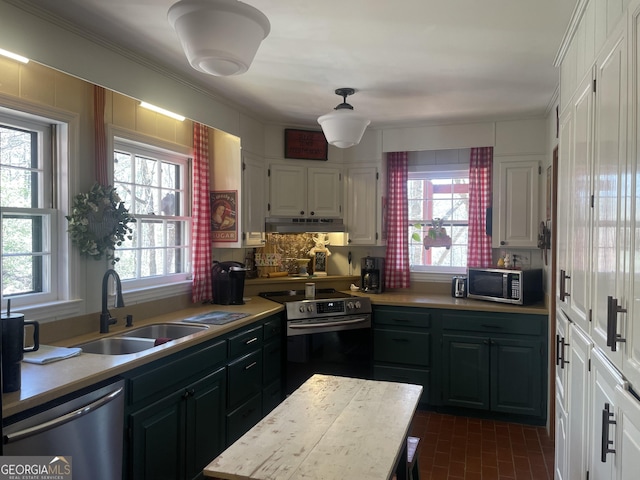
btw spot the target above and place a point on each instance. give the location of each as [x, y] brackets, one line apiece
[117, 345]
[141, 338]
[164, 330]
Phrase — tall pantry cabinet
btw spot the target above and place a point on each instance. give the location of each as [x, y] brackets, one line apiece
[598, 328]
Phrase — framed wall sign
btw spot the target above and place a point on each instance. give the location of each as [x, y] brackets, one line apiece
[224, 215]
[305, 144]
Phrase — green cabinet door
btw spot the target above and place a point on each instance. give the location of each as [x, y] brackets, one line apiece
[205, 425]
[157, 440]
[518, 381]
[176, 437]
[465, 371]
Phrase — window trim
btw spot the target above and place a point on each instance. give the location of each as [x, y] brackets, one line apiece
[71, 296]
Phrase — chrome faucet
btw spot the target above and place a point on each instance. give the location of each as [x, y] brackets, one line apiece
[105, 316]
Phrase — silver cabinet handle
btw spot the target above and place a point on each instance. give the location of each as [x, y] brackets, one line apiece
[81, 412]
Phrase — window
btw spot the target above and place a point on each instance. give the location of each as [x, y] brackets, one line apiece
[29, 245]
[435, 196]
[152, 184]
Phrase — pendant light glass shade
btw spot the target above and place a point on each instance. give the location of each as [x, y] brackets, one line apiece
[219, 37]
[343, 127]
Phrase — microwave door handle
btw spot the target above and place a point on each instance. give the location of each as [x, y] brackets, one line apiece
[505, 286]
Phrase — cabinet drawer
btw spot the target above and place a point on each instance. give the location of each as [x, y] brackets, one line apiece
[271, 396]
[399, 346]
[245, 378]
[273, 329]
[415, 376]
[245, 341]
[405, 317]
[272, 356]
[243, 418]
[497, 323]
[146, 383]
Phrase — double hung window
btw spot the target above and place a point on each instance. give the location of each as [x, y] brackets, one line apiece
[438, 199]
[28, 228]
[153, 184]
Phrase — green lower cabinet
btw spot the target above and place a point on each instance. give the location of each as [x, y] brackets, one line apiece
[465, 371]
[177, 436]
[492, 373]
[243, 418]
[518, 381]
[415, 376]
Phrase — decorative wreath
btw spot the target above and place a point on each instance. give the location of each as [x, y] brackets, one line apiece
[98, 222]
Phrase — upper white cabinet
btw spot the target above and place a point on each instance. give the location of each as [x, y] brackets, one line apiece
[362, 206]
[300, 191]
[610, 201]
[254, 194]
[515, 202]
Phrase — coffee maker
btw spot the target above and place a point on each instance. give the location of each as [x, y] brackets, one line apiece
[372, 274]
[227, 280]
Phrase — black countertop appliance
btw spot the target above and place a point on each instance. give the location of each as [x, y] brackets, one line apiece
[227, 281]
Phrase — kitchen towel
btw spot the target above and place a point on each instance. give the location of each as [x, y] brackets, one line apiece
[47, 354]
[215, 318]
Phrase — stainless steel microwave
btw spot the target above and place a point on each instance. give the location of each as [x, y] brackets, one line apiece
[519, 287]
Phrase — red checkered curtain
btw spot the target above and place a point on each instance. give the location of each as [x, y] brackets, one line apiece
[99, 135]
[480, 166]
[201, 218]
[397, 259]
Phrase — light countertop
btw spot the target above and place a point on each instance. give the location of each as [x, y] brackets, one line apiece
[42, 383]
[331, 427]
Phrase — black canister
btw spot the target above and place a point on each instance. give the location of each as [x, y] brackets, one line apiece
[13, 348]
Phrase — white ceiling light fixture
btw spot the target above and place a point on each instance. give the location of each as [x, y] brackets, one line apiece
[219, 37]
[343, 127]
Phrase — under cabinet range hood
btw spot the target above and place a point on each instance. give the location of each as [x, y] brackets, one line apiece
[303, 225]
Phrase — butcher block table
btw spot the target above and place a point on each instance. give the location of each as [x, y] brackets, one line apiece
[330, 428]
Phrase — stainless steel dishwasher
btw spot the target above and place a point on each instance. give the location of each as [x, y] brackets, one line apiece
[88, 428]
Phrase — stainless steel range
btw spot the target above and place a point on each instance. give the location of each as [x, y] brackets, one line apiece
[329, 334]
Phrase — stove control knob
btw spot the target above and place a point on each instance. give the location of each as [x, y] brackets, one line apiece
[349, 305]
[358, 306]
[301, 308]
[309, 308]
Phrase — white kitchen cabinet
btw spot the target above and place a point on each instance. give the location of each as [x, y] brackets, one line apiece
[254, 196]
[301, 191]
[631, 359]
[515, 203]
[361, 206]
[603, 417]
[578, 227]
[565, 149]
[609, 264]
[628, 445]
[578, 404]
[560, 461]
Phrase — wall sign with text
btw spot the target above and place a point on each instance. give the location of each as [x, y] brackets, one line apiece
[305, 144]
[224, 215]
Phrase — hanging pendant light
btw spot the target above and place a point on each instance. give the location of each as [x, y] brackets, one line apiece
[219, 37]
[343, 127]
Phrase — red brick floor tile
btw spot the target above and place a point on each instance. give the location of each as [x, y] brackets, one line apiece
[457, 448]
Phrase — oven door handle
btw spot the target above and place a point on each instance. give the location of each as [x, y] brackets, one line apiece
[328, 324]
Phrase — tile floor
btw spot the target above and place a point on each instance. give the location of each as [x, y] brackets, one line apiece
[457, 448]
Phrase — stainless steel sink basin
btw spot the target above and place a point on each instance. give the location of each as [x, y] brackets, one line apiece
[117, 345]
[164, 330]
[141, 338]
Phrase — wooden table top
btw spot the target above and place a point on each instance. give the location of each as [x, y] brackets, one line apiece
[330, 428]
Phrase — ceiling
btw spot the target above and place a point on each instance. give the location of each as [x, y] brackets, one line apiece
[411, 61]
